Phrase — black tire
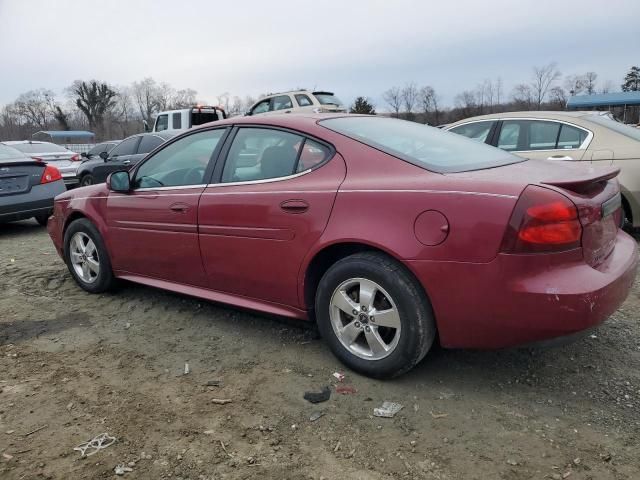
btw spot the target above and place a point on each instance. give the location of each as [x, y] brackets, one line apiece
[105, 279]
[87, 180]
[42, 219]
[418, 328]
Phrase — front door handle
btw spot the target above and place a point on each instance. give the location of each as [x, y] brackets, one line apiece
[294, 206]
[559, 157]
[126, 162]
[179, 207]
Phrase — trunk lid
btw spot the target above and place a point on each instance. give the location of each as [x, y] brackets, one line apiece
[19, 176]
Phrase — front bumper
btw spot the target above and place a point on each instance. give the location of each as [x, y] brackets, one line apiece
[520, 299]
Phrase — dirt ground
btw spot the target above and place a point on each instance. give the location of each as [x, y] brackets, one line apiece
[75, 365]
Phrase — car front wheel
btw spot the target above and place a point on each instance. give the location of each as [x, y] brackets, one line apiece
[374, 315]
[87, 180]
[87, 257]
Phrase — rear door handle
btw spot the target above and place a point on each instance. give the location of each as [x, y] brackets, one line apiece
[294, 206]
[559, 157]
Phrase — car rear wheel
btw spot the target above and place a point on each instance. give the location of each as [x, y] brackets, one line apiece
[87, 180]
[87, 257]
[374, 315]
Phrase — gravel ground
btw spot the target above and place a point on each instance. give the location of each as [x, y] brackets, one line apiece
[75, 365]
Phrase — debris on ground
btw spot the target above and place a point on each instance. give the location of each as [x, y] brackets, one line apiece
[186, 368]
[36, 430]
[346, 389]
[221, 401]
[96, 444]
[214, 383]
[318, 397]
[339, 376]
[439, 415]
[122, 469]
[316, 416]
[387, 410]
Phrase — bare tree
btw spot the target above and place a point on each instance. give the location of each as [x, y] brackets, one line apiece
[607, 87]
[393, 98]
[426, 101]
[590, 82]
[467, 102]
[574, 84]
[498, 90]
[543, 79]
[94, 99]
[409, 97]
[183, 98]
[236, 106]
[224, 101]
[558, 97]
[145, 94]
[523, 95]
[35, 107]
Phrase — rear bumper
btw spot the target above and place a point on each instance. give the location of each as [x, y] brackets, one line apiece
[38, 201]
[520, 299]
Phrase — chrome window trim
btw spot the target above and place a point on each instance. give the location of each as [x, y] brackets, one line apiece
[583, 146]
[177, 187]
[263, 180]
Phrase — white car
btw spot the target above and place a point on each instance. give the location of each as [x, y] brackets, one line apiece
[64, 160]
[298, 101]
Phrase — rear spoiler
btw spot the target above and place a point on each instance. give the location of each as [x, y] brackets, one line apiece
[581, 180]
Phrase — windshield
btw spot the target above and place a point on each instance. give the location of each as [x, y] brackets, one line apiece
[9, 153]
[328, 99]
[43, 147]
[421, 145]
[621, 128]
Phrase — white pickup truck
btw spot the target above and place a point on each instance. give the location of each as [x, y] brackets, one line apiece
[187, 118]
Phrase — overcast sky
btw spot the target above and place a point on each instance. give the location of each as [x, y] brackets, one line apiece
[351, 47]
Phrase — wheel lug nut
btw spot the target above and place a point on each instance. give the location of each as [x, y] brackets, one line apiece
[355, 312]
[363, 308]
[371, 319]
[357, 324]
[367, 329]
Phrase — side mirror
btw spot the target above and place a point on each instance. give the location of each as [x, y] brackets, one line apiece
[247, 113]
[84, 155]
[119, 182]
[104, 156]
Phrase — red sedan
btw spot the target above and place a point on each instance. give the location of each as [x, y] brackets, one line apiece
[387, 233]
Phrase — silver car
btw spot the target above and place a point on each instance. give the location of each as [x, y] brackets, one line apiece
[64, 160]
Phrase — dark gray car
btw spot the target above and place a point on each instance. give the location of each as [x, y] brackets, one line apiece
[27, 187]
[122, 157]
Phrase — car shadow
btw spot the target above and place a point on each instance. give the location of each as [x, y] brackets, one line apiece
[21, 330]
[23, 227]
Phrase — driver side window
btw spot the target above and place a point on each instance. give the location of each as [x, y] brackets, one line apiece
[182, 163]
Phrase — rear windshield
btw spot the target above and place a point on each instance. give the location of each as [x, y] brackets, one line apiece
[616, 126]
[423, 146]
[328, 99]
[39, 147]
[200, 118]
[9, 153]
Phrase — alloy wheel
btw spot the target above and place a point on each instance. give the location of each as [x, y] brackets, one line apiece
[84, 257]
[365, 319]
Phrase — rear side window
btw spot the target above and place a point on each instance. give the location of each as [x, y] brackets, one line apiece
[426, 147]
[148, 143]
[543, 135]
[478, 131]
[126, 147]
[281, 102]
[312, 154]
[303, 100]
[509, 135]
[260, 154]
[571, 137]
[177, 120]
[162, 123]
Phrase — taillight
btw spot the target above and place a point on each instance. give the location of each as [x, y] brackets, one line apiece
[542, 221]
[76, 158]
[50, 174]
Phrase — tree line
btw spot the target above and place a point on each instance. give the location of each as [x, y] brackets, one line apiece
[546, 89]
[114, 112]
